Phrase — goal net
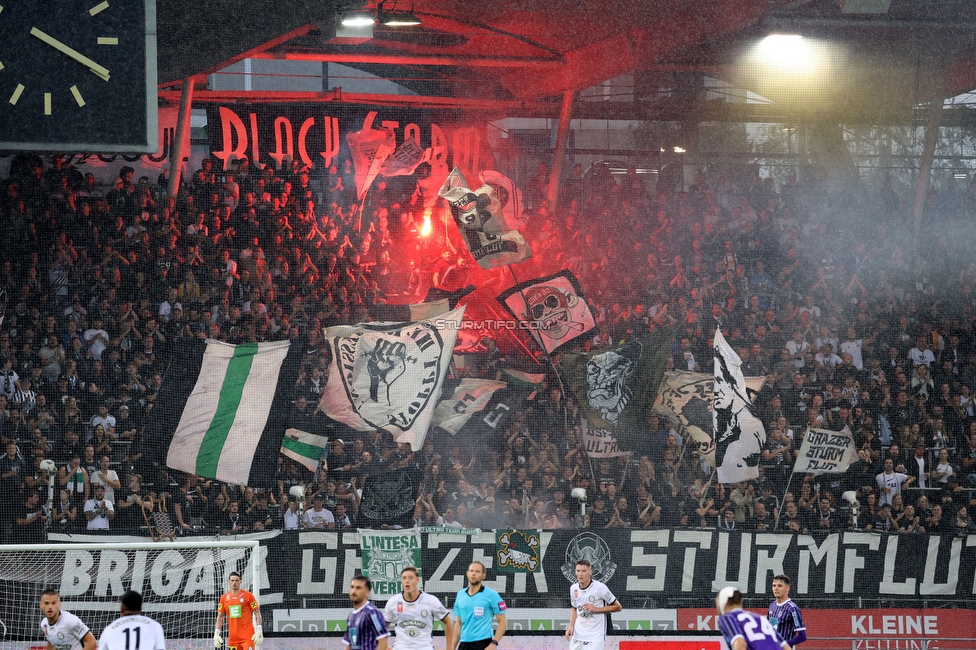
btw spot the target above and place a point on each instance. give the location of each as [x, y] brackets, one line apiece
[180, 583]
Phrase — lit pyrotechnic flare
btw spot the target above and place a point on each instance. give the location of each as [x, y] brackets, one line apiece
[426, 228]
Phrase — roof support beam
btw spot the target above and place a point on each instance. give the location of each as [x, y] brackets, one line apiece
[337, 96]
[417, 59]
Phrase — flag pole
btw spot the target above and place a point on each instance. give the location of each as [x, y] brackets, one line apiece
[562, 386]
[782, 502]
[362, 206]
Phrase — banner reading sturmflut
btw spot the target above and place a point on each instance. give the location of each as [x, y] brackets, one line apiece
[389, 375]
[825, 452]
[227, 408]
[385, 554]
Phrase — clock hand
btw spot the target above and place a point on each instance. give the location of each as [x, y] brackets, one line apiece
[98, 70]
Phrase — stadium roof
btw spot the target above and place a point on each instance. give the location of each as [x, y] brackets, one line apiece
[522, 55]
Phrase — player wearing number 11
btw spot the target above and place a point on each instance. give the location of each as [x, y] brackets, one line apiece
[133, 630]
[744, 630]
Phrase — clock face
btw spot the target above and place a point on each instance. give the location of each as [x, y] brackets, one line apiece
[78, 75]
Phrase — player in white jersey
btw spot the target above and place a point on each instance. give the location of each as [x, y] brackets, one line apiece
[132, 630]
[63, 630]
[411, 615]
[591, 601]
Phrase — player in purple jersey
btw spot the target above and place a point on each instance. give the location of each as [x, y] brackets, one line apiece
[744, 630]
[365, 625]
[784, 613]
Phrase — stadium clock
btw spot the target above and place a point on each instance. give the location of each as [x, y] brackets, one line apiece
[78, 75]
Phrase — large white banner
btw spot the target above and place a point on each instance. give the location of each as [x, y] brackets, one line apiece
[389, 375]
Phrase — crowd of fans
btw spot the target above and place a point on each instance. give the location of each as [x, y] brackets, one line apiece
[855, 316]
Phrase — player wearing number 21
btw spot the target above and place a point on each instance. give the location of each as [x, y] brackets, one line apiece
[744, 630]
[62, 629]
[239, 606]
[591, 601]
[132, 630]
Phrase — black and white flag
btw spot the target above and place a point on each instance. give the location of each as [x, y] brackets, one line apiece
[738, 433]
[552, 308]
[487, 224]
[389, 375]
[468, 397]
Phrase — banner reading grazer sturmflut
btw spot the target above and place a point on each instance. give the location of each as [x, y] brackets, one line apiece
[553, 307]
[389, 375]
[825, 452]
[385, 554]
[225, 417]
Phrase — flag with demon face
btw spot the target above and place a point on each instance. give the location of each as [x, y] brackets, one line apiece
[552, 309]
[616, 387]
[487, 218]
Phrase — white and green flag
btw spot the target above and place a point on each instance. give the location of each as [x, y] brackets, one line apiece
[304, 447]
[386, 553]
[222, 415]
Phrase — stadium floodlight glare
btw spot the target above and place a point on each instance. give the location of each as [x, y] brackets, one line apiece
[399, 19]
[396, 18]
[789, 52]
[358, 19]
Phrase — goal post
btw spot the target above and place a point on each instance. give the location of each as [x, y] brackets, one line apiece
[180, 583]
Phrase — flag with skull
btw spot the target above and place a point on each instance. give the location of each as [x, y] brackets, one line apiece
[486, 218]
[616, 387]
[552, 308]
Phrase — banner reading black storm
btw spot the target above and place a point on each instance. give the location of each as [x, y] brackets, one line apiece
[683, 567]
[316, 135]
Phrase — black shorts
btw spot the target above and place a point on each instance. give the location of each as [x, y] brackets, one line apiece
[476, 645]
